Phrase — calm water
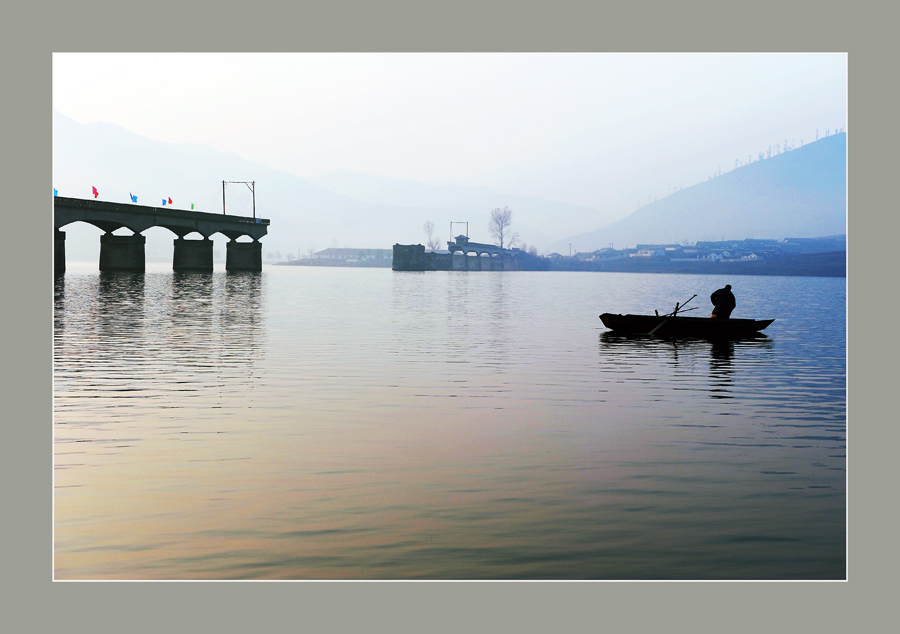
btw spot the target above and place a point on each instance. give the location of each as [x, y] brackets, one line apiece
[310, 423]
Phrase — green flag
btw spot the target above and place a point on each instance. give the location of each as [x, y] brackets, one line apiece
[192, 205]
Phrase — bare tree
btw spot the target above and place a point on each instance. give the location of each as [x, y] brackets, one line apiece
[499, 226]
[433, 241]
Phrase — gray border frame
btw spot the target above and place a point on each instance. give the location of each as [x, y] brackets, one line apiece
[36, 30]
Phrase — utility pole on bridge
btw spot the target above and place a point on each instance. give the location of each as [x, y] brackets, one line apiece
[459, 223]
[251, 185]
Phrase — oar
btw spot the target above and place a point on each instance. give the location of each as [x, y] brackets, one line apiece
[672, 314]
[659, 325]
[677, 308]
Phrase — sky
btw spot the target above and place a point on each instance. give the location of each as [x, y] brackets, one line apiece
[607, 131]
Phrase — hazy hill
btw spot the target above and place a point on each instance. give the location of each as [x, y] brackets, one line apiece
[801, 193]
[537, 221]
[370, 213]
[303, 216]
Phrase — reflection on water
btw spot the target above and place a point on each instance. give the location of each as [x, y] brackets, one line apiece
[619, 351]
[130, 345]
[721, 368]
[327, 424]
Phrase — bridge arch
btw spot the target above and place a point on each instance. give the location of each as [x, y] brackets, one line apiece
[183, 232]
[105, 226]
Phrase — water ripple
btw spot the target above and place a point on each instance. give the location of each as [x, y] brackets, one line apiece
[335, 424]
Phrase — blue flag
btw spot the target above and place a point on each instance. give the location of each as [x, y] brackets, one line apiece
[55, 192]
[133, 197]
[164, 202]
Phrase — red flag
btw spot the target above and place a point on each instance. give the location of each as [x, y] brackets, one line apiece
[96, 193]
[170, 201]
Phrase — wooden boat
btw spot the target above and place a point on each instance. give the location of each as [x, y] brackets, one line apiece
[674, 325]
[677, 326]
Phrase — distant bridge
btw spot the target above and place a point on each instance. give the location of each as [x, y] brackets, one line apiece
[487, 257]
[464, 246]
[127, 252]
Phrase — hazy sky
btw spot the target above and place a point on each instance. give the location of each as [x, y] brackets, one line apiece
[607, 131]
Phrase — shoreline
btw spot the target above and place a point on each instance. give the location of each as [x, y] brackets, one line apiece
[827, 264]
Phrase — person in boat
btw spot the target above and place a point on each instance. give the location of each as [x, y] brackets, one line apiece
[723, 302]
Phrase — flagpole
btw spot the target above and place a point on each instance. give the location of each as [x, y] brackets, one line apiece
[223, 198]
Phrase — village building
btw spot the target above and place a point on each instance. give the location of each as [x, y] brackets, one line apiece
[353, 256]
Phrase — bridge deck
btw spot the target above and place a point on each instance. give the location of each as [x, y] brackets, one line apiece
[478, 247]
[110, 216]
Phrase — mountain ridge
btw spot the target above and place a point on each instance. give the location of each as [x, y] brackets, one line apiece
[801, 193]
[304, 215]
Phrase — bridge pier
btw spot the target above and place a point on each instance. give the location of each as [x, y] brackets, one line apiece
[59, 251]
[122, 253]
[193, 255]
[243, 256]
[408, 257]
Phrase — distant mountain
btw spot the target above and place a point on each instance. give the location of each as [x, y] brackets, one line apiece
[536, 220]
[119, 163]
[343, 210]
[801, 193]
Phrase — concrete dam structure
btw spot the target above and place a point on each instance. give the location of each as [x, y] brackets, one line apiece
[126, 253]
[464, 256]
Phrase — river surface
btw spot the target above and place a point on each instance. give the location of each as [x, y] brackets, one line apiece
[322, 423]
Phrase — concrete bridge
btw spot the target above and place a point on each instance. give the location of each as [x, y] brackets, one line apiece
[126, 253]
[487, 257]
[464, 246]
